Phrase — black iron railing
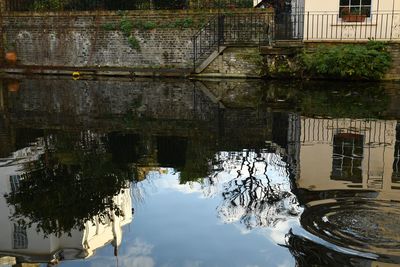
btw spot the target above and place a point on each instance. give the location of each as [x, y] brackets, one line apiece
[87, 5]
[335, 27]
[226, 30]
[207, 40]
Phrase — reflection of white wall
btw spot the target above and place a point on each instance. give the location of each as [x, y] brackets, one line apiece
[81, 244]
[316, 153]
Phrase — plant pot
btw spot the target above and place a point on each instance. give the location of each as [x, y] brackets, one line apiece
[11, 57]
[354, 18]
[13, 86]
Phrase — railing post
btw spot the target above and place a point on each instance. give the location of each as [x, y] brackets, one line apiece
[194, 53]
[2, 43]
[308, 22]
[391, 27]
[221, 29]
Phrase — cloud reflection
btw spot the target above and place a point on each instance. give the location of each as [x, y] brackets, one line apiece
[136, 254]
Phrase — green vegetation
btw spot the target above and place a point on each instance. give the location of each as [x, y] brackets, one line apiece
[109, 27]
[182, 23]
[145, 25]
[48, 5]
[352, 61]
[134, 43]
[126, 26]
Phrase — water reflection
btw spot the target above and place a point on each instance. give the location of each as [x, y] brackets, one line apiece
[350, 195]
[259, 195]
[66, 197]
[315, 171]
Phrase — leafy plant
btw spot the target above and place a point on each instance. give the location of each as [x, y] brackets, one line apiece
[48, 5]
[134, 43]
[126, 26]
[183, 23]
[351, 61]
[144, 25]
[109, 27]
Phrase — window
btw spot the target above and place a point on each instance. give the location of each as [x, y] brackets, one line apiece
[355, 7]
[20, 237]
[14, 181]
[347, 157]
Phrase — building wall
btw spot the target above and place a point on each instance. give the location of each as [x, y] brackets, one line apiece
[333, 5]
[322, 22]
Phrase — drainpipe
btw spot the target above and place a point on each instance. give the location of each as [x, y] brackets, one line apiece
[2, 9]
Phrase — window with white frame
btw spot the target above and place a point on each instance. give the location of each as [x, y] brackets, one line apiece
[14, 182]
[20, 238]
[355, 7]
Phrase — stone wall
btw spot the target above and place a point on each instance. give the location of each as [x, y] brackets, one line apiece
[237, 62]
[95, 39]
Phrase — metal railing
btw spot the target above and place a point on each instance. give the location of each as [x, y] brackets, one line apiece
[207, 40]
[87, 5]
[376, 26]
[236, 29]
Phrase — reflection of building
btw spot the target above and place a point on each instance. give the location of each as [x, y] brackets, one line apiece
[348, 154]
[20, 244]
[347, 183]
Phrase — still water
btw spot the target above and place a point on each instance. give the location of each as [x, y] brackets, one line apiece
[198, 173]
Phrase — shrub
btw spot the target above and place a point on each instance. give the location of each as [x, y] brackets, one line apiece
[351, 61]
[134, 43]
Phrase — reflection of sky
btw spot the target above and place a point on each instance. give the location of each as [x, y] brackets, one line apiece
[178, 225]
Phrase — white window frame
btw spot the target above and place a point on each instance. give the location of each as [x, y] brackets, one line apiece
[360, 6]
[20, 238]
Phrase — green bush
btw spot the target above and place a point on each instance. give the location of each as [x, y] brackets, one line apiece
[126, 26]
[353, 61]
[134, 43]
[182, 23]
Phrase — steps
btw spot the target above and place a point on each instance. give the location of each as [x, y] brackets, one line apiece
[209, 60]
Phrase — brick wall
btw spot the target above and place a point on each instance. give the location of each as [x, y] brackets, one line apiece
[394, 72]
[83, 40]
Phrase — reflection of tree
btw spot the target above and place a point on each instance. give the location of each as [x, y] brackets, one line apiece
[253, 198]
[71, 183]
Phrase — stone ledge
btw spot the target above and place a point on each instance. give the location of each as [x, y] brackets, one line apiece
[182, 73]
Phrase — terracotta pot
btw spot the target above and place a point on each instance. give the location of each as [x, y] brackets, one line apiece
[11, 57]
[13, 86]
[354, 18]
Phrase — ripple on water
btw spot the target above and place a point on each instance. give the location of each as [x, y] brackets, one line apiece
[365, 225]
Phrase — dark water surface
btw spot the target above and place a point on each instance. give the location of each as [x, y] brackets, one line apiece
[186, 173]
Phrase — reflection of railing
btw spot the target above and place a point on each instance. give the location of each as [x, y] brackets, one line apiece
[332, 26]
[315, 130]
[72, 5]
